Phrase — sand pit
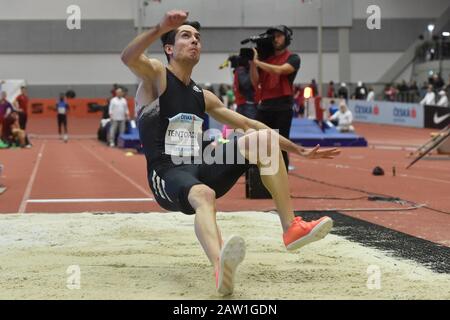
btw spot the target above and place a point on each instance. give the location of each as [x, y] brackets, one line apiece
[156, 256]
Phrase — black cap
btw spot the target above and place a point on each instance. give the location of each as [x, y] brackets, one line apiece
[279, 28]
[378, 171]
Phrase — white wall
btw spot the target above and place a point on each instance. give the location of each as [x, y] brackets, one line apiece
[369, 67]
[125, 9]
[56, 9]
[107, 68]
[65, 68]
[309, 67]
[401, 8]
[256, 13]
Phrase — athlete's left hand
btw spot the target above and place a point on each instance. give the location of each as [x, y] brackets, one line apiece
[316, 153]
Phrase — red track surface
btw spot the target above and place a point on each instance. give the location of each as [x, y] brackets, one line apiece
[86, 169]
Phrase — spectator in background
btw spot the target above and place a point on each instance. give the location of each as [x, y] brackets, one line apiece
[21, 103]
[114, 89]
[332, 110]
[436, 81]
[447, 87]
[62, 109]
[413, 91]
[230, 98]
[331, 92]
[313, 86]
[223, 88]
[443, 100]
[299, 100]
[244, 91]
[403, 91]
[371, 94]
[5, 108]
[390, 92]
[119, 114]
[344, 118]
[343, 91]
[430, 97]
[1, 84]
[360, 91]
[229, 102]
[423, 89]
[11, 132]
[70, 94]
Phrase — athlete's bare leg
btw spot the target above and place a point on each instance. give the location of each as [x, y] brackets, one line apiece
[277, 183]
[203, 200]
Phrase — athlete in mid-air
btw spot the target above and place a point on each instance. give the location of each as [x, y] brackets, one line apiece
[170, 110]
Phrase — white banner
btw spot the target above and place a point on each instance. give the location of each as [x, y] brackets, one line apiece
[395, 113]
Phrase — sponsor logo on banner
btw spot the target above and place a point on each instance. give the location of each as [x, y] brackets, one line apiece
[402, 114]
[438, 120]
[384, 112]
[364, 111]
[361, 109]
[437, 117]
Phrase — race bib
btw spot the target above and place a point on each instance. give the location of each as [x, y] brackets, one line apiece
[183, 134]
[61, 110]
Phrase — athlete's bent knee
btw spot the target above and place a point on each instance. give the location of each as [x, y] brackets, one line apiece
[201, 195]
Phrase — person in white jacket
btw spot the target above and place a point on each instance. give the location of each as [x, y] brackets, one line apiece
[119, 114]
[430, 97]
[344, 117]
[443, 100]
[371, 94]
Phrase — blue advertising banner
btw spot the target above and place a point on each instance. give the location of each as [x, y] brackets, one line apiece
[384, 112]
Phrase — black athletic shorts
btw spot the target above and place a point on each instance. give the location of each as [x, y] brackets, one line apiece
[171, 183]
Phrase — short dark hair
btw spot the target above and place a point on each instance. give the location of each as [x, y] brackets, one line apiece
[169, 37]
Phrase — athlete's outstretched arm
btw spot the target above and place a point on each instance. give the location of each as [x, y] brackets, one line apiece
[133, 55]
[216, 109]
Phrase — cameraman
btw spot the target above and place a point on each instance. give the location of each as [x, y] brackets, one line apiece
[243, 88]
[275, 75]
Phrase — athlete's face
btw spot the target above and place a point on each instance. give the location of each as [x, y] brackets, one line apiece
[279, 40]
[187, 45]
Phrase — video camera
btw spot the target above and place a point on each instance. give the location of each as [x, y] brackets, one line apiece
[264, 46]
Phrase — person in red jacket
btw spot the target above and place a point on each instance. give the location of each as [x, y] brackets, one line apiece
[21, 103]
[275, 75]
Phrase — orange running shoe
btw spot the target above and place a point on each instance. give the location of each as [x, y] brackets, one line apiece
[300, 233]
[232, 254]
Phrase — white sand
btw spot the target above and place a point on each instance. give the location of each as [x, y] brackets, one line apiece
[157, 256]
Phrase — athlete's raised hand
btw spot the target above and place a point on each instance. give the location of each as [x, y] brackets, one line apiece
[173, 19]
[316, 153]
